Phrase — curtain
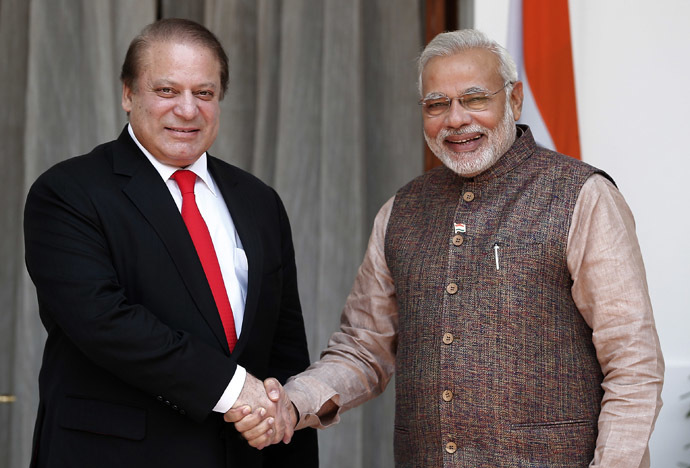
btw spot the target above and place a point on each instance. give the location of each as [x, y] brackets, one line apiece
[321, 105]
[59, 86]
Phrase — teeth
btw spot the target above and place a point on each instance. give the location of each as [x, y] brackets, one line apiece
[469, 139]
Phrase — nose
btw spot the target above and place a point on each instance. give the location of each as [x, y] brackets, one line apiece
[457, 115]
[186, 107]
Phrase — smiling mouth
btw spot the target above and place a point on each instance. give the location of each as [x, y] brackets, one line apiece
[466, 140]
[181, 130]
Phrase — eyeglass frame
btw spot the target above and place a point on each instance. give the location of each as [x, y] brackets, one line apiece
[461, 100]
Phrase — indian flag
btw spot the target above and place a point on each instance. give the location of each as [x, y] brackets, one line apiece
[539, 41]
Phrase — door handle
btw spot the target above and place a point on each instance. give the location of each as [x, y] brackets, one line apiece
[7, 398]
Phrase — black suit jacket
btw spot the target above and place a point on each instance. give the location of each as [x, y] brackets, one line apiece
[136, 357]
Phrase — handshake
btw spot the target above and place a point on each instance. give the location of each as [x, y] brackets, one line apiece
[263, 413]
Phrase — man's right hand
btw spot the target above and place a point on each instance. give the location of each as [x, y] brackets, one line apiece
[263, 413]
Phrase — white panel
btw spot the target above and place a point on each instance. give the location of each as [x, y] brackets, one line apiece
[491, 17]
[633, 97]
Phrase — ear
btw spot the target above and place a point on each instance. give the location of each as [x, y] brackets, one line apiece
[127, 98]
[516, 97]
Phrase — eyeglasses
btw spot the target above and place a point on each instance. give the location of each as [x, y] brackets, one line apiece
[438, 104]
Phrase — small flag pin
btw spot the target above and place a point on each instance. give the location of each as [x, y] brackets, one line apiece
[459, 227]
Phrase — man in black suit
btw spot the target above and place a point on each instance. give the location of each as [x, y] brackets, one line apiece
[141, 363]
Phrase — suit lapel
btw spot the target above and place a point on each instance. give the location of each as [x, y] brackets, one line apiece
[149, 194]
[241, 209]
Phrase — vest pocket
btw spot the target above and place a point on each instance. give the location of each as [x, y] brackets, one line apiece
[522, 285]
[559, 443]
[521, 263]
[537, 345]
[546, 425]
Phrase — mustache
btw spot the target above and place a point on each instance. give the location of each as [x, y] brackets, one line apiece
[446, 132]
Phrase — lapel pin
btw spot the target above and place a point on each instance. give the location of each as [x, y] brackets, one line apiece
[459, 227]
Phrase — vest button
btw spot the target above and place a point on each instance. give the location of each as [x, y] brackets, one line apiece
[451, 447]
[452, 288]
[448, 338]
[468, 196]
[447, 395]
[458, 240]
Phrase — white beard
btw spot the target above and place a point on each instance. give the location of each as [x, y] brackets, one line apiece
[469, 164]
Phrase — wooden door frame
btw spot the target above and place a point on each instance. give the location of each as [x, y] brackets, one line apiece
[439, 16]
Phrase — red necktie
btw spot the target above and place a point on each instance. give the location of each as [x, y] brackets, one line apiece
[207, 254]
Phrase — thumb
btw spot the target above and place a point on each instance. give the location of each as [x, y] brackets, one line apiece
[273, 389]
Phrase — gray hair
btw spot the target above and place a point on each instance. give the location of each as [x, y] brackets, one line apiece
[450, 43]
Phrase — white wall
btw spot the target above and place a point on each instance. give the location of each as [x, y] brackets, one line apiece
[632, 75]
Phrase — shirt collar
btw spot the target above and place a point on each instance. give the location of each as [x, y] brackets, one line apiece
[199, 167]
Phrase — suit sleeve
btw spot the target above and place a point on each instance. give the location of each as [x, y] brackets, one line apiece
[82, 300]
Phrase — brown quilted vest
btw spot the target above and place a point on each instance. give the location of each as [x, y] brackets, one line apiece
[495, 365]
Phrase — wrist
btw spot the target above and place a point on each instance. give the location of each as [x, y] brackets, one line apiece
[295, 414]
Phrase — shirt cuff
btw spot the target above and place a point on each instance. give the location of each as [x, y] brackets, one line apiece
[305, 392]
[232, 391]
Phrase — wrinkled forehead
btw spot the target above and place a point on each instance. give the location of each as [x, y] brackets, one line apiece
[472, 70]
[163, 48]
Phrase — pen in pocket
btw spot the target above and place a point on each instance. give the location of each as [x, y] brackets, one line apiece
[496, 247]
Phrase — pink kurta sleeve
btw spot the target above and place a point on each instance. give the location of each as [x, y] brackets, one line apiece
[360, 358]
[610, 291]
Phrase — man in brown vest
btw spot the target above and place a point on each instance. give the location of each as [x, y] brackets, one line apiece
[505, 289]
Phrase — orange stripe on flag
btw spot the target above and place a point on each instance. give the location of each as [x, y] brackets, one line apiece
[549, 66]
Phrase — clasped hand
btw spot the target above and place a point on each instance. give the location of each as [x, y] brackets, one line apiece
[263, 413]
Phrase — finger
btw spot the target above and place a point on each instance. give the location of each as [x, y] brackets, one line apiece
[261, 442]
[291, 423]
[288, 435]
[262, 432]
[250, 421]
[273, 389]
[282, 423]
[236, 414]
[283, 426]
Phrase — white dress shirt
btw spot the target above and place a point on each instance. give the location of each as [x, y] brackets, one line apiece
[226, 242]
